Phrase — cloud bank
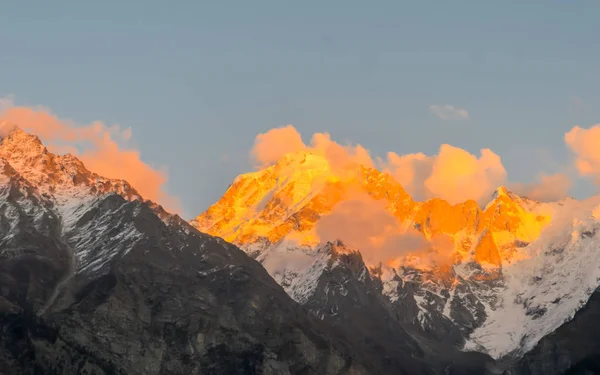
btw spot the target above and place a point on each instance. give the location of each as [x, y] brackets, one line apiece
[271, 146]
[363, 223]
[453, 174]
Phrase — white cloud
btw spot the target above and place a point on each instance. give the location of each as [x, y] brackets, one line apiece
[449, 112]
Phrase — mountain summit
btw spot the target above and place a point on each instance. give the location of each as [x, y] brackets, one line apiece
[286, 201]
[57, 175]
[288, 198]
[456, 271]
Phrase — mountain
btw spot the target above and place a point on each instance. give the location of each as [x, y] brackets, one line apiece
[505, 279]
[96, 280]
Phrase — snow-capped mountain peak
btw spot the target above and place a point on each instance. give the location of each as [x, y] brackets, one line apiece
[285, 201]
[490, 271]
[56, 175]
[288, 198]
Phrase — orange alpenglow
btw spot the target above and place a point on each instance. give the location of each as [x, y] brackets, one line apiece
[310, 194]
[101, 149]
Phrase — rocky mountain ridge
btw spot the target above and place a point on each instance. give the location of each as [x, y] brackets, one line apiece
[95, 280]
[515, 272]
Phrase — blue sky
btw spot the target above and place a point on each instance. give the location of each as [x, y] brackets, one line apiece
[196, 81]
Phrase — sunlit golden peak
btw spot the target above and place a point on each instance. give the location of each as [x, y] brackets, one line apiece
[310, 198]
[12, 136]
[502, 194]
[301, 157]
[21, 148]
[7, 128]
[289, 164]
[501, 191]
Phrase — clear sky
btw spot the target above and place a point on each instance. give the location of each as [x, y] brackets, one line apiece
[197, 80]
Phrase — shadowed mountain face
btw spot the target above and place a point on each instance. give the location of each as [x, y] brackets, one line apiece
[93, 280]
[165, 303]
[572, 349]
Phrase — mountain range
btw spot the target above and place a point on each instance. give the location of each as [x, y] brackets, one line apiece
[303, 267]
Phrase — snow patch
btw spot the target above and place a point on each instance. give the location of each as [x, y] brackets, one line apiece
[544, 291]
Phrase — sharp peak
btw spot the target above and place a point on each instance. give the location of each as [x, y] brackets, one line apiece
[19, 138]
[14, 139]
[11, 130]
[502, 194]
[8, 128]
[502, 191]
[42, 167]
[337, 247]
[298, 156]
[295, 154]
[316, 158]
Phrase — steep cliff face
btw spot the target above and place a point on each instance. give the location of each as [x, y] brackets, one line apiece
[571, 349]
[479, 267]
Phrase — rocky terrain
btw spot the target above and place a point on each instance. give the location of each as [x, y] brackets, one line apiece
[516, 282]
[95, 280]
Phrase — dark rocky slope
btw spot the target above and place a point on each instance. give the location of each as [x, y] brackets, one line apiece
[347, 295]
[166, 303]
[169, 300]
[572, 349]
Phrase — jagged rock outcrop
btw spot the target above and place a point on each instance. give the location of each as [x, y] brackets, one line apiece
[572, 349]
